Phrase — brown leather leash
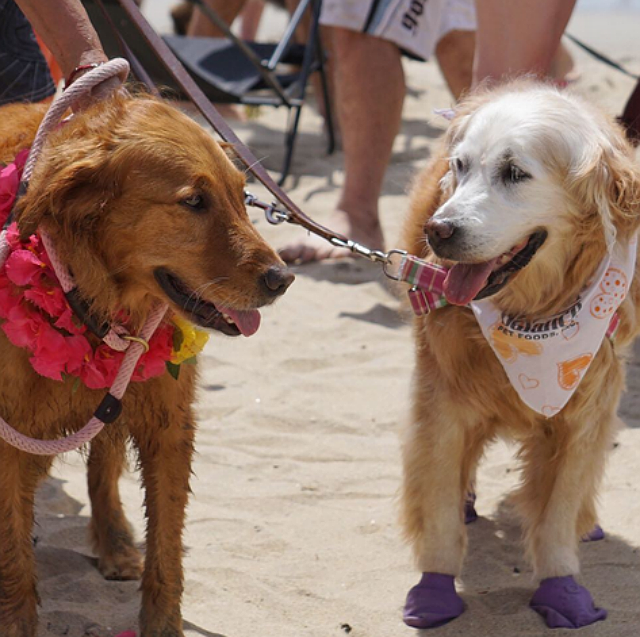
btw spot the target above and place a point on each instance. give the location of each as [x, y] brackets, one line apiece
[291, 212]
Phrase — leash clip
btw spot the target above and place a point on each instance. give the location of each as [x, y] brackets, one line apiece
[392, 267]
[377, 256]
[273, 214]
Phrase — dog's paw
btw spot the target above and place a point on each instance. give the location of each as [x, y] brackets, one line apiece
[125, 565]
[594, 535]
[433, 602]
[565, 604]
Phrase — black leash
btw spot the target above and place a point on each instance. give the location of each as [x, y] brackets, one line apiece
[601, 57]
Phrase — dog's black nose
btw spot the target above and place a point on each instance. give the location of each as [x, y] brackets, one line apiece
[275, 281]
[439, 232]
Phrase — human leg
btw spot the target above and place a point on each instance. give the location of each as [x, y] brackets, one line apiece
[251, 16]
[518, 37]
[201, 25]
[369, 106]
[454, 52]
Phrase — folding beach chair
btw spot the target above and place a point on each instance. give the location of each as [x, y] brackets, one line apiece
[227, 70]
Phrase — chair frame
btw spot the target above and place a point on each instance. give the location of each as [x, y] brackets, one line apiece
[292, 97]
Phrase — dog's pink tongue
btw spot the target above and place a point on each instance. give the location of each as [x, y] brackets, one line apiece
[248, 321]
[465, 280]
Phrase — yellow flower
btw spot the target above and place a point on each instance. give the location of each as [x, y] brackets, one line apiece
[188, 340]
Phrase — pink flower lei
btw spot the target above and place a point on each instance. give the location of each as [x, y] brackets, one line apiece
[36, 316]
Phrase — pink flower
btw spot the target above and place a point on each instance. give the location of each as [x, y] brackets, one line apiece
[21, 160]
[101, 371]
[23, 267]
[152, 363]
[9, 182]
[69, 322]
[22, 326]
[9, 296]
[49, 299]
[50, 353]
[13, 236]
[79, 354]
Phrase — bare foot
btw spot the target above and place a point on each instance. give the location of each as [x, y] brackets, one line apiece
[314, 248]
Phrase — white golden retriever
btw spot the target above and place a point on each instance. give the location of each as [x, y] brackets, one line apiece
[533, 202]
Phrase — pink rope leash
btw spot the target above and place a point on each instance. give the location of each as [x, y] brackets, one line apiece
[110, 407]
[79, 90]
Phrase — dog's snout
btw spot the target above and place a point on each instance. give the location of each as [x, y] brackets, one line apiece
[275, 281]
[439, 229]
[439, 233]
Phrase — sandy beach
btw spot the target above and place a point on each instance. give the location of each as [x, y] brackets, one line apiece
[292, 528]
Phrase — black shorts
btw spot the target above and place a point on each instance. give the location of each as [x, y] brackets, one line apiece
[24, 74]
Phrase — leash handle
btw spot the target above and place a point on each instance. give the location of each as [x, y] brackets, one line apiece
[80, 89]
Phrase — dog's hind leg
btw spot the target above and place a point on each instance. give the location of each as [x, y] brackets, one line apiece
[562, 469]
[118, 557]
[20, 474]
[166, 448]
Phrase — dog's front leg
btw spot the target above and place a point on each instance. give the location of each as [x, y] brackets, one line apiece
[165, 450]
[20, 474]
[439, 456]
[562, 469]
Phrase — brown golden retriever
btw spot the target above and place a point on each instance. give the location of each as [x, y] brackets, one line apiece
[529, 192]
[143, 206]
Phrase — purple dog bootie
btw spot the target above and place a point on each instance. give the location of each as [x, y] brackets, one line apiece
[433, 602]
[565, 604]
[596, 534]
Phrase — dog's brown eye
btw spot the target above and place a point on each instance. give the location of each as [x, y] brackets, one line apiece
[195, 202]
[514, 175]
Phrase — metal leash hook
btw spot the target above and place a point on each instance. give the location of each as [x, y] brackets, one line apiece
[377, 256]
[273, 214]
[391, 261]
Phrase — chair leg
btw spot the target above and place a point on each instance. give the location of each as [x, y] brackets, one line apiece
[328, 112]
[290, 140]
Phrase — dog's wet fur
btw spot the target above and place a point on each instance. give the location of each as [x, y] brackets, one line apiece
[127, 188]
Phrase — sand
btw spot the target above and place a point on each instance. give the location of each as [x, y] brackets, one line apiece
[292, 529]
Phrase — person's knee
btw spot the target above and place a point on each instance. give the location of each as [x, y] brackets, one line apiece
[347, 42]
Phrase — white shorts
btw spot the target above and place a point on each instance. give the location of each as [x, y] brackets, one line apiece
[416, 26]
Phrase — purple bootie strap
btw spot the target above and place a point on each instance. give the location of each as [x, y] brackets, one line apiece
[565, 604]
[433, 602]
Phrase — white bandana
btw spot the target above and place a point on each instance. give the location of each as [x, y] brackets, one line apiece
[546, 359]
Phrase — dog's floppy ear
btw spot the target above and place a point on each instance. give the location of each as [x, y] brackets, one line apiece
[70, 184]
[609, 182]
